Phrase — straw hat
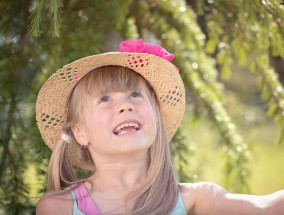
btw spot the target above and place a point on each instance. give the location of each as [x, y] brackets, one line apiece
[154, 66]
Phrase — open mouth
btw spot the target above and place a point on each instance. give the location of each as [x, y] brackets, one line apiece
[126, 128]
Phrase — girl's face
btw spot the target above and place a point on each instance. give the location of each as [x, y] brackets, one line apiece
[118, 122]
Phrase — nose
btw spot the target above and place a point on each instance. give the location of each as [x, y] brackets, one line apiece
[125, 107]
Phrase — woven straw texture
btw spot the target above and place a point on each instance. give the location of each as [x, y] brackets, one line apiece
[161, 74]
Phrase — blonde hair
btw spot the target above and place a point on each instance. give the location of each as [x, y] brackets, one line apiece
[158, 194]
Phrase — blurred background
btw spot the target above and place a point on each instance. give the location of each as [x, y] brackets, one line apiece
[230, 55]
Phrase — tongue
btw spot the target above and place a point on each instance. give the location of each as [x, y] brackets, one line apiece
[125, 130]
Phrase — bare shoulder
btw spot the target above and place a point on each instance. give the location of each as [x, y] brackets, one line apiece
[193, 192]
[55, 202]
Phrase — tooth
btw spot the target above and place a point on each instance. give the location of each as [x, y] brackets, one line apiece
[133, 124]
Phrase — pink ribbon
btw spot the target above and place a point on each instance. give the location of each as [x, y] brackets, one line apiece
[140, 46]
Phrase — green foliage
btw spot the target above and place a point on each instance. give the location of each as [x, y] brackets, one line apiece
[206, 40]
[181, 150]
[255, 33]
[16, 106]
[37, 14]
[36, 18]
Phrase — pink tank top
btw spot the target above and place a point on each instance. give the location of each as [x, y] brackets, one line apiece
[85, 202]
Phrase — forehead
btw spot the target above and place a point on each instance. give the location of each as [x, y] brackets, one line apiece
[108, 79]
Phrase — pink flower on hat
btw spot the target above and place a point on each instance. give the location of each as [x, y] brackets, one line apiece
[140, 46]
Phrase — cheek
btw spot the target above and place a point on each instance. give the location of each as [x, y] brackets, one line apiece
[149, 115]
[98, 123]
[102, 118]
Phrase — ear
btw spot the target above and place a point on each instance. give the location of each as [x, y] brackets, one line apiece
[80, 134]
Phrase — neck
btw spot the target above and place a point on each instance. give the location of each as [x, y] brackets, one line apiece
[120, 173]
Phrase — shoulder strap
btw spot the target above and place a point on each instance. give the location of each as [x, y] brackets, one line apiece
[75, 206]
[179, 208]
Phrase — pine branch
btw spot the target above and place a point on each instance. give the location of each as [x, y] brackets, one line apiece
[54, 10]
[181, 151]
[183, 20]
[7, 135]
[36, 16]
[272, 92]
[255, 29]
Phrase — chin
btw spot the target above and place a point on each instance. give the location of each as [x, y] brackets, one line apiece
[133, 146]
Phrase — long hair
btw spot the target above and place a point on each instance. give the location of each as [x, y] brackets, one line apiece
[158, 193]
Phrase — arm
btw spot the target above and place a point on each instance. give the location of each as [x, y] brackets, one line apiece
[55, 205]
[212, 199]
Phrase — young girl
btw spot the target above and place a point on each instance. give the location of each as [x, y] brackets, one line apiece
[114, 114]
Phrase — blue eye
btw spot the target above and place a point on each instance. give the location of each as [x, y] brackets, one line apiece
[135, 95]
[104, 99]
